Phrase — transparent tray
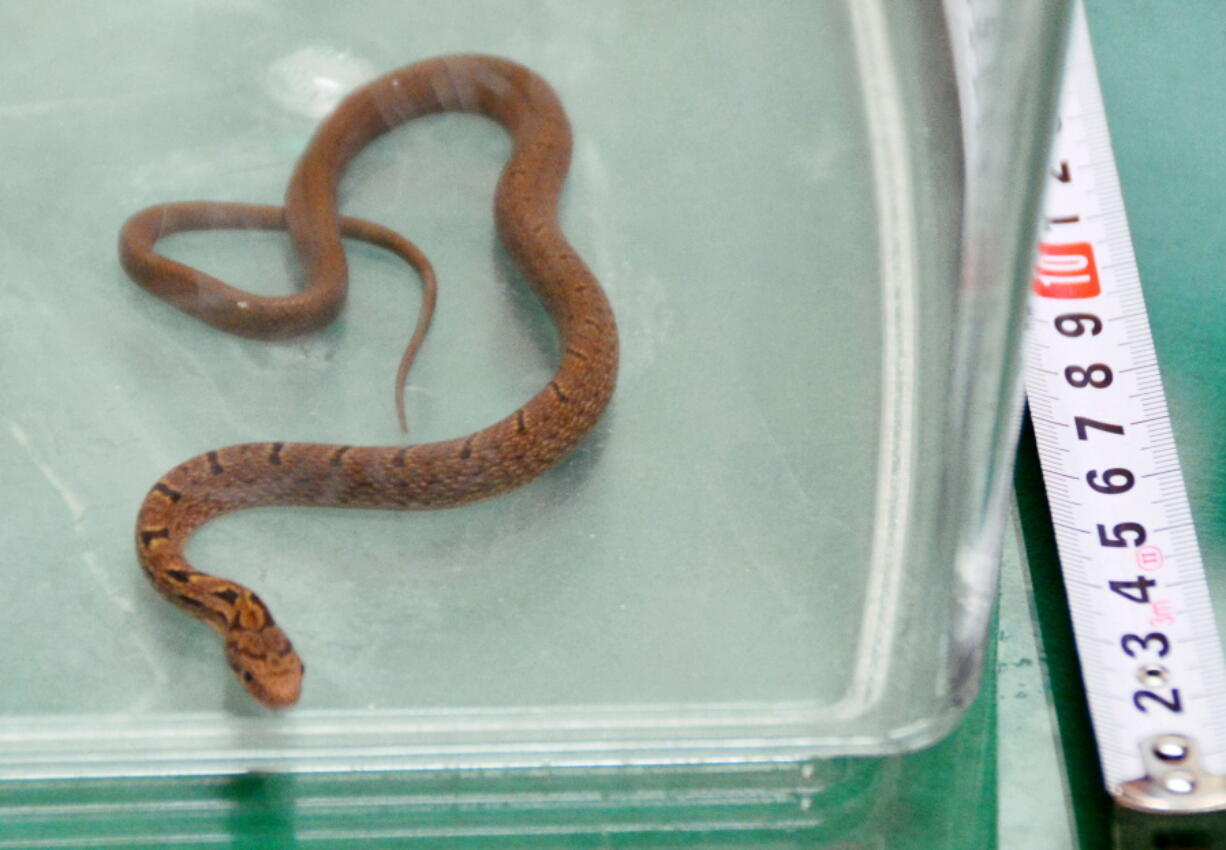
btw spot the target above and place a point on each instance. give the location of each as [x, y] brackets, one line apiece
[780, 543]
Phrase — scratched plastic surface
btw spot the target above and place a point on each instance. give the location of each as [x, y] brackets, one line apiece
[760, 553]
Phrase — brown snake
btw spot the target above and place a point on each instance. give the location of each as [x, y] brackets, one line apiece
[416, 477]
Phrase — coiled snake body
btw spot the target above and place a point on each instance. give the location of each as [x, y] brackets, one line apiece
[414, 477]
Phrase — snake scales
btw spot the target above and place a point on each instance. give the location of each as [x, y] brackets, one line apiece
[442, 474]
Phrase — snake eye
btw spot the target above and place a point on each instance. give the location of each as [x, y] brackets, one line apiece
[247, 677]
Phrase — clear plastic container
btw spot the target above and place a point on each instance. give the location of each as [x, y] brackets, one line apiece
[779, 544]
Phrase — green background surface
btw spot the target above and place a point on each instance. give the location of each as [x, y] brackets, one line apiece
[1163, 65]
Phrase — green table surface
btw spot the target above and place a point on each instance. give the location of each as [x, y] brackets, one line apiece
[1163, 65]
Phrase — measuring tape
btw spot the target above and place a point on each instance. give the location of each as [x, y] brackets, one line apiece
[1150, 653]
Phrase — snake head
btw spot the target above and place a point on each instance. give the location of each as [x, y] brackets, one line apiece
[265, 662]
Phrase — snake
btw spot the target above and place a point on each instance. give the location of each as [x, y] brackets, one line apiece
[416, 476]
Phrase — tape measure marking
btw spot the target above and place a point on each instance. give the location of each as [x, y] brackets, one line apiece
[1150, 652]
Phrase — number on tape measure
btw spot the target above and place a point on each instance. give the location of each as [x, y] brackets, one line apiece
[1066, 270]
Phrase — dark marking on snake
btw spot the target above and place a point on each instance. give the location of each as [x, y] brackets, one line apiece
[168, 492]
[147, 536]
[258, 603]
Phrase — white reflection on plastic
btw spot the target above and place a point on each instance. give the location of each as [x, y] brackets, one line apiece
[313, 80]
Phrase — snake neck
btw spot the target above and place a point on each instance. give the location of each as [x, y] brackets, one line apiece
[258, 652]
